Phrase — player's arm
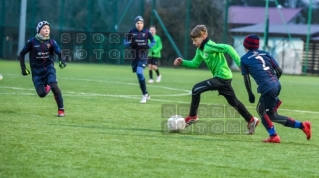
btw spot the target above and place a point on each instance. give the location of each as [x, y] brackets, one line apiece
[278, 71]
[126, 42]
[194, 63]
[57, 50]
[223, 48]
[247, 82]
[22, 53]
[128, 39]
[276, 67]
[158, 46]
[248, 88]
[151, 39]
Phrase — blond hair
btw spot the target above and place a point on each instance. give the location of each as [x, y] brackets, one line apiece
[198, 31]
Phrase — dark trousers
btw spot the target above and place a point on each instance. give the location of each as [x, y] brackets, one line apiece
[224, 88]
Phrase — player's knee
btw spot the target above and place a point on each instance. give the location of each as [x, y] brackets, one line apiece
[260, 111]
[233, 103]
[41, 92]
[140, 76]
[42, 95]
[272, 115]
[231, 100]
[194, 89]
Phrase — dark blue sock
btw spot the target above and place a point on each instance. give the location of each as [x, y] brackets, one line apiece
[143, 86]
[57, 95]
[59, 101]
[293, 123]
[141, 79]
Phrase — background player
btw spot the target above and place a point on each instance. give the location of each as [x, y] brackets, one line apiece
[154, 54]
[214, 58]
[266, 72]
[41, 50]
[138, 40]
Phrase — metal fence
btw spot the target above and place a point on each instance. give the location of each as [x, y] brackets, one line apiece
[76, 25]
[93, 30]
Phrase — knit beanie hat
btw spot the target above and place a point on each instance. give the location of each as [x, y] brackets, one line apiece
[251, 42]
[139, 18]
[41, 24]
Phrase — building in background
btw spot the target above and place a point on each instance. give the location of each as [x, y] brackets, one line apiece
[239, 16]
[288, 50]
[286, 38]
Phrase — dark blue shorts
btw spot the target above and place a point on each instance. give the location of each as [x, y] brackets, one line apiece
[44, 77]
[270, 99]
[138, 63]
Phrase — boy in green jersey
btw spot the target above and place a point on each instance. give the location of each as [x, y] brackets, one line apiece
[154, 54]
[213, 55]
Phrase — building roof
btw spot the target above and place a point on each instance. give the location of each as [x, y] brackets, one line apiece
[297, 30]
[314, 39]
[256, 15]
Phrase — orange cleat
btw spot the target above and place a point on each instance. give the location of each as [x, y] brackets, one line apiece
[273, 139]
[307, 129]
[61, 113]
[190, 120]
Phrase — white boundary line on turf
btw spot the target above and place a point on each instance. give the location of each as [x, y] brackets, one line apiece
[128, 83]
[74, 94]
[168, 88]
[95, 94]
[17, 88]
[133, 96]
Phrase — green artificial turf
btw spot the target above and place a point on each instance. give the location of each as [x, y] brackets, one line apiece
[107, 133]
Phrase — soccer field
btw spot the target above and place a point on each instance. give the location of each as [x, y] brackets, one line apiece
[107, 133]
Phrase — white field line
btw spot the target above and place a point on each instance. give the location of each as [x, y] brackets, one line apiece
[76, 94]
[128, 83]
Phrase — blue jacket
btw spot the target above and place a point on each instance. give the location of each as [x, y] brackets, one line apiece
[41, 54]
[141, 46]
[261, 66]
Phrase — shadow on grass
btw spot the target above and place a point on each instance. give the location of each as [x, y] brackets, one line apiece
[8, 112]
[186, 136]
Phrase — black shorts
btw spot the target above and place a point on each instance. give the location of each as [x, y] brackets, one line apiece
[269, 100]
[152, 60]
[223, 86]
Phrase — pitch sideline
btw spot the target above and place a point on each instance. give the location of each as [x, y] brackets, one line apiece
[76, 94]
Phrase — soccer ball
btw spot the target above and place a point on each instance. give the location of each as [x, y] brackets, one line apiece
[176, 123]
[1, 77]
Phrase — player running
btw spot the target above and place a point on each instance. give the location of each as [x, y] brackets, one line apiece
[213, 55]
[266, 72]
[41, 50]
[138, 38]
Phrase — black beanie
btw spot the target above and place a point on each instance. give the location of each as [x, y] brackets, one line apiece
[139, 18]
[41, 24]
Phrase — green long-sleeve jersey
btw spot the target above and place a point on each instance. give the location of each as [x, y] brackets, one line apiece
[155, 51]
[213, 55]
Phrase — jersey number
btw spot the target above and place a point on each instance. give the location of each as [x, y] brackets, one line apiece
[263, 62]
